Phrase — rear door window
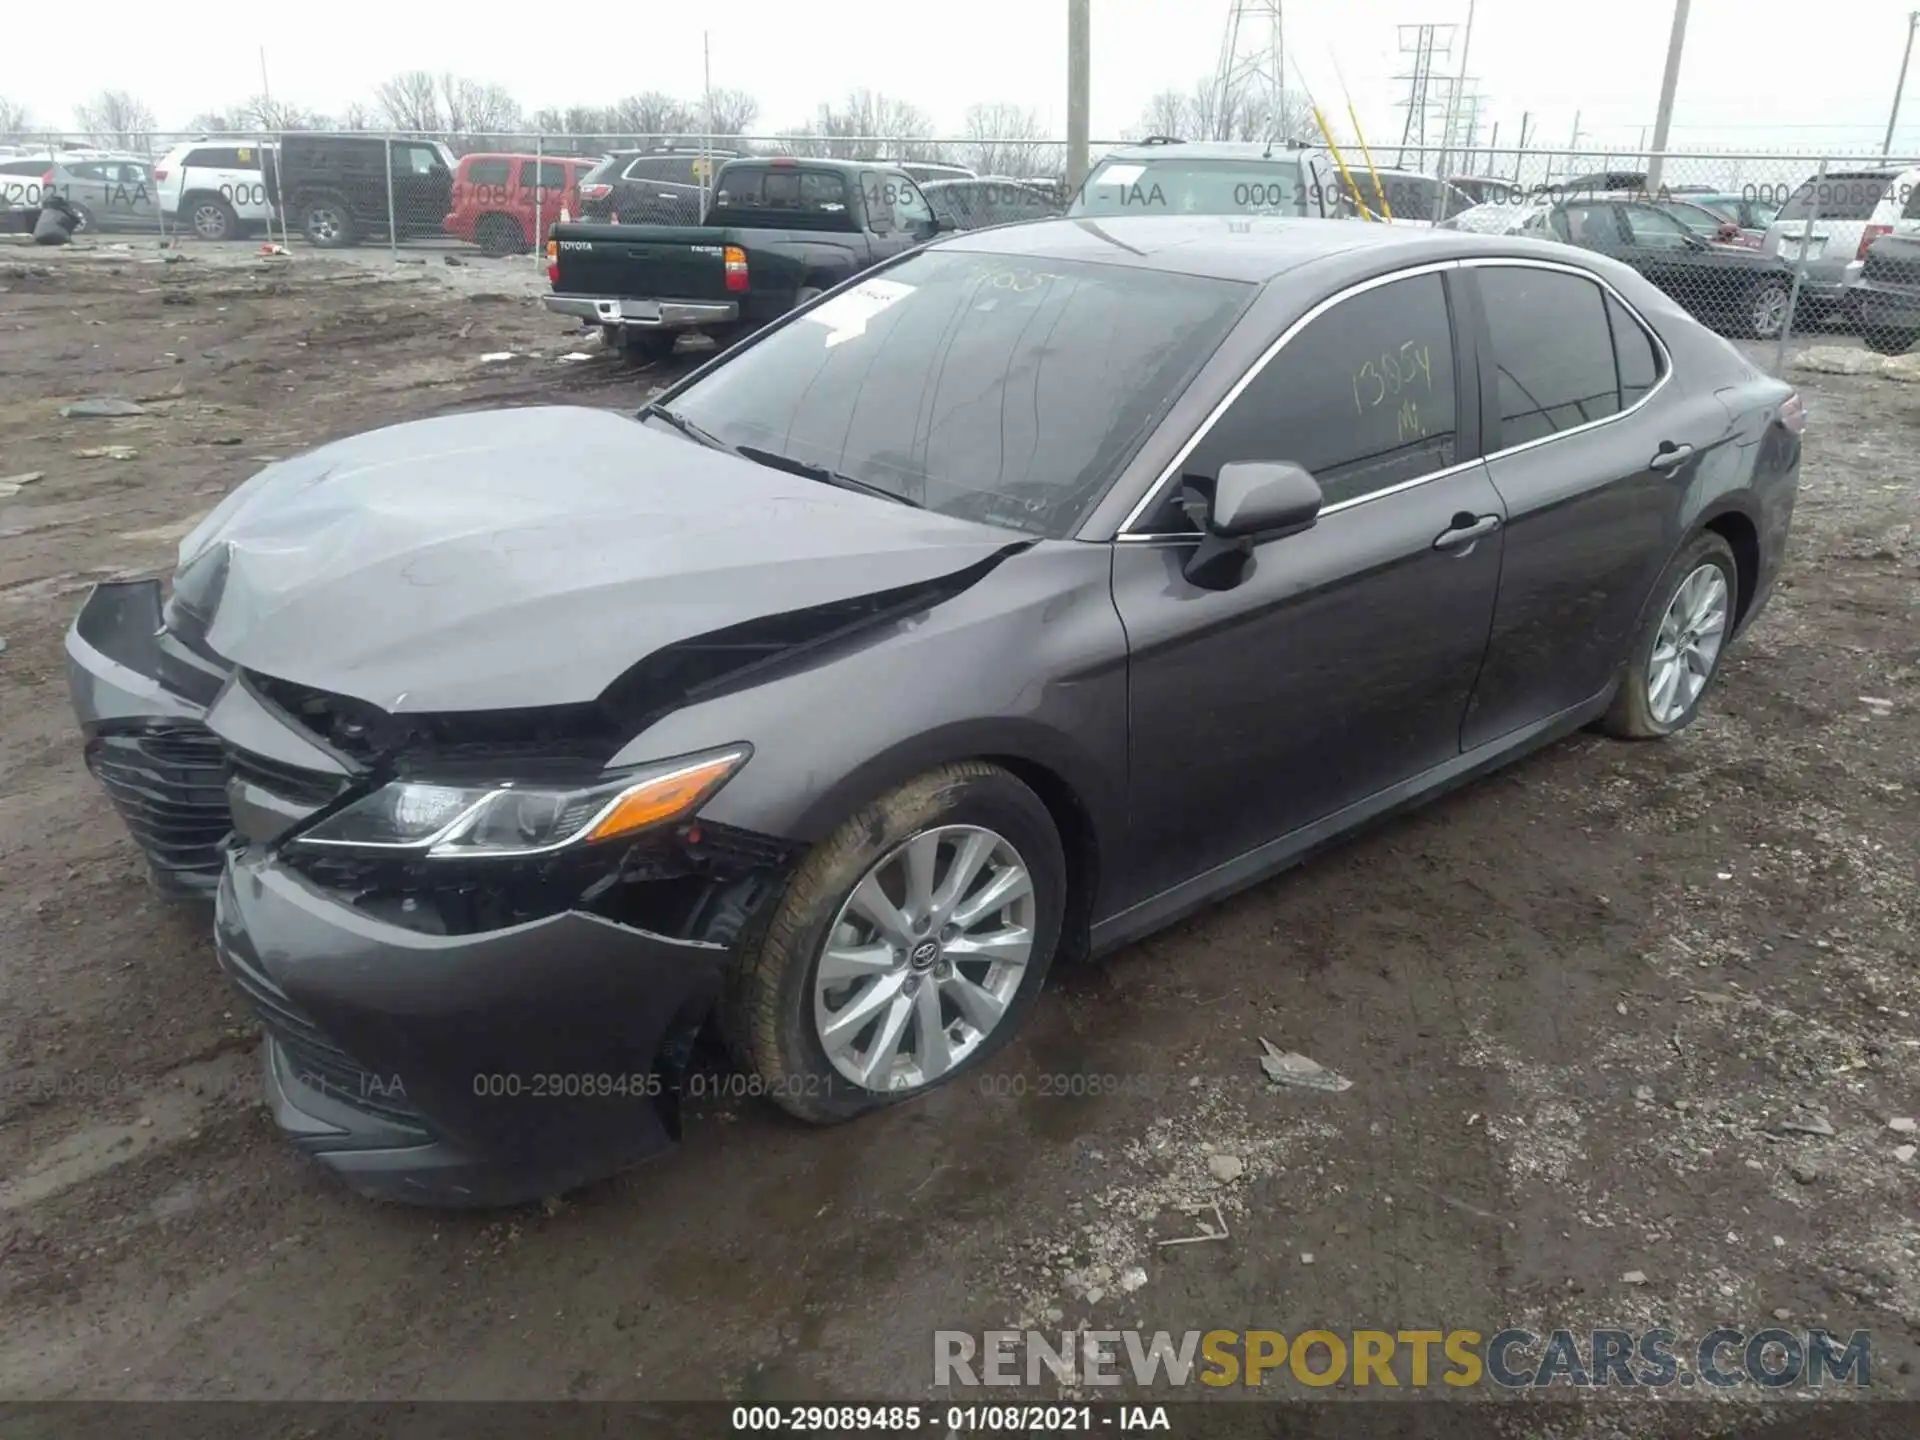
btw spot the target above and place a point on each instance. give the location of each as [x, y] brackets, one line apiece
[222, 157]
[1553, 351]
[490, 172]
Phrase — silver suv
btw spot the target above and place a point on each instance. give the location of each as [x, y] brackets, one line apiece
[1210, 177]
[1850, 209]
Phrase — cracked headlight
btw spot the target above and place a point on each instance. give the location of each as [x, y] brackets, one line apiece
[442, 821]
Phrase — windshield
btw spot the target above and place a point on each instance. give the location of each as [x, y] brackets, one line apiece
[1193, 187]
[996, 388]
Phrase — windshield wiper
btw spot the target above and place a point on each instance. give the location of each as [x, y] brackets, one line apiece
[775, 460]
[686, 427]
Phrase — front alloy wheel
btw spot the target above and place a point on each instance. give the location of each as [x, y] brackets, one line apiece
[924, 958]
[1767, 310]
[905, 948]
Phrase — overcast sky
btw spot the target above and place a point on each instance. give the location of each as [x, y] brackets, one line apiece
[1758, 73]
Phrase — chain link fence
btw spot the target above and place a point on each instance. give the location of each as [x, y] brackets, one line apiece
[1762, 247]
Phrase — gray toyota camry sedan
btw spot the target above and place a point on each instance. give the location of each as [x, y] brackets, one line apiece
[994, 609]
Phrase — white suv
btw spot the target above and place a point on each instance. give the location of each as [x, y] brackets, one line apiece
[214, 189]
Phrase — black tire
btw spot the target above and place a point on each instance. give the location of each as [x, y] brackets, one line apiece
[766, 1014]
[328, 222]
[1630, 717]
[83, 221]
[210, 217]
[1887, 341]
[644, 347]
[500, 235]
[1765, 312]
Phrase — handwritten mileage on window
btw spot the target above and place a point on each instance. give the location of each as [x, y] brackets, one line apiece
[1401, 377]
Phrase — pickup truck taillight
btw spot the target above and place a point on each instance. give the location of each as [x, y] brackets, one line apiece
[553, 263]
[736, 262]
[159, 173]
[1868, 236]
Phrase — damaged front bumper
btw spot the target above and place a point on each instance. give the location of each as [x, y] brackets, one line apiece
[478, 1063]
[485, 1069]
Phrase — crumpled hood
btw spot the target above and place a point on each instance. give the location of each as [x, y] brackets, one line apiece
[528, 557]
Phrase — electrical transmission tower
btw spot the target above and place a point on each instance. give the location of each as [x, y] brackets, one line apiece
[1431, 47]
[1251, 85]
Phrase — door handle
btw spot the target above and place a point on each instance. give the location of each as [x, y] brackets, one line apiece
[1669, 456]
[1465, 530]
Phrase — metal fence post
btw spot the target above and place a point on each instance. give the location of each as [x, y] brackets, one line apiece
[1800, 268]
[539, 197]
[393, 220]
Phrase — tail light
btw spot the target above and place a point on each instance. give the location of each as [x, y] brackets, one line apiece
[553, 263]
[595, 192]
[47, 179]
[1868, 236]
[1793, 414]
[159, 172]
[736, 261]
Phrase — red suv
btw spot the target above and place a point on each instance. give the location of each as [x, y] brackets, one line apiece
[504, 203]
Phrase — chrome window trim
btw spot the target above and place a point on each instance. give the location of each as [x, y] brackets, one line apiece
[1127, 534]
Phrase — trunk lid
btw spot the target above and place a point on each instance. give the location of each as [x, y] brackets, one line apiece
[673, 262]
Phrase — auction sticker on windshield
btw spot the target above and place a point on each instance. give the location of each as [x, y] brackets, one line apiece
[846, 315]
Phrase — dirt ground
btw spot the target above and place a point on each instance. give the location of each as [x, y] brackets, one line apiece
[1577, 1000]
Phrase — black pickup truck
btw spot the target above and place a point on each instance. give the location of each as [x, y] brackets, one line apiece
[779, 231]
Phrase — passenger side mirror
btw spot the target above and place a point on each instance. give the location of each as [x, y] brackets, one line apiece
[1252, 501]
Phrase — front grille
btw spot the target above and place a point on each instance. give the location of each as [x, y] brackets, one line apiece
[314, 1059]
[170, 786]
[290, 782]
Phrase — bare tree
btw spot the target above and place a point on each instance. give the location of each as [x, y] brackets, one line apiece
[410, 101]
[1204, 120]
[1166, 114]
[653, 114]
[1253, 118]
[474, 107]
[356, 117]
[117, 119]
[1001, 140]
[728, 112]
[894, 125]
[13, 119]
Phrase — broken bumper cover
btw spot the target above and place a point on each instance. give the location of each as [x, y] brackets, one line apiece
[146, 740]
[468, 1070]
[645, 314]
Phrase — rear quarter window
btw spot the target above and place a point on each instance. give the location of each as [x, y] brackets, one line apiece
[489, 172]
[1840, 197]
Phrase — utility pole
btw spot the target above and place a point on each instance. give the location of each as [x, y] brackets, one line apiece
[1079, 90]
[1459, 85]
[1900, 85]
[1669, 82]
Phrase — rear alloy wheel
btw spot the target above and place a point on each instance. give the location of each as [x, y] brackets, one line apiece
[500, 235]
[328, 225]
[213, 219]
[1679, 648]
[907, 947]
[1767, 308]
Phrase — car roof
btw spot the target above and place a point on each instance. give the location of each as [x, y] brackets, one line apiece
[1208, 150]
[1233, 248]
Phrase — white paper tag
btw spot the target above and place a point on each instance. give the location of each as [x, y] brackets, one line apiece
[1120, 174]
[847, 314]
